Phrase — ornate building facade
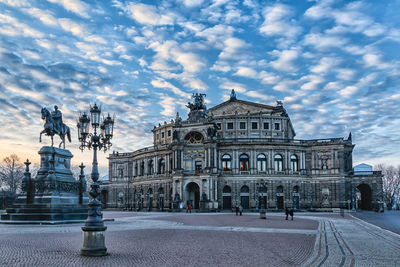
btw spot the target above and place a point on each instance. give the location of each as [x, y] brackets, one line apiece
[236, 153]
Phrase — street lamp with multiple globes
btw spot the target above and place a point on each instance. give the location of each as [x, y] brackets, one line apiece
[93, 231]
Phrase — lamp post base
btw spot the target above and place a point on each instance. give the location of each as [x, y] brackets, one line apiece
[262, 214]
[93, 241]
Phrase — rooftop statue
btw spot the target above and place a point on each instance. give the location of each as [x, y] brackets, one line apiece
[54, 125]
[233, 95]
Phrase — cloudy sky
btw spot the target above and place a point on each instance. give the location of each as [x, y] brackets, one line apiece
[335, 65]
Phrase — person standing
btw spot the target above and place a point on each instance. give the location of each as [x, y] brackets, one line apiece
[240, 209]
[190, 208]
[237, 210]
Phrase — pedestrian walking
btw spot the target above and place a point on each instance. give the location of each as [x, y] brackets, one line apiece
[287, 213]
[240, 210]
[237, 210]
[291, 212]
[190, 208]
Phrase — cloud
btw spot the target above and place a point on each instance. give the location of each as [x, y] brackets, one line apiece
[78, 30]
[285, 61]
[149, 15]
[12, 27]
[74, 6]
[345, 73]
[277, 22]
[217, 35]
[348, 18]
[325, 65]
[246, 72]
[191, 3]
[15, 3]
[312, 82]
[374, 60]
[231, 49]
[268, 77]
[170, 51]
[322, 42]
[45, 17]
[168, 104]
[229, 85]
[159, 83]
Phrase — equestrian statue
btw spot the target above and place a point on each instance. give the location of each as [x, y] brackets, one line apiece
[54, 125]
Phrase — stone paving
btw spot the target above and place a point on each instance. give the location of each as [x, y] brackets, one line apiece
[389, 220]
[179, 239]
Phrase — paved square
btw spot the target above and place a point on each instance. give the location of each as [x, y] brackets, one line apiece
[222, 239]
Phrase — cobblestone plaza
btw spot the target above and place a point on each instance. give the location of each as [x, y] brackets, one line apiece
[204, 239]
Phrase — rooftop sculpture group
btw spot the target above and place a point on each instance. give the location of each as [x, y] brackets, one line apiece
[198, 109]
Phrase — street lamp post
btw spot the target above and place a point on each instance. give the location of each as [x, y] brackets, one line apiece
[261, 194]
[93, 231]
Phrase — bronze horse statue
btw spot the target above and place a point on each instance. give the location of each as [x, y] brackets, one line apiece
[50, 128]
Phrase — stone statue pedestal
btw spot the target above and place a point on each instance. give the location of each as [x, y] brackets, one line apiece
[55, 196]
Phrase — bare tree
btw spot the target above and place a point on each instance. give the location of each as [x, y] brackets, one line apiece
[11, 173]
[391, 184]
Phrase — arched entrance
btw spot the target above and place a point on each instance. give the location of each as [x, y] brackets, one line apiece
[366, 197]
[244, 197]
[279, 198]
[193, 195]
[226, 198]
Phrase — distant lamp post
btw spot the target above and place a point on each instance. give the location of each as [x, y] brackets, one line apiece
[93, 231]
[261, 189]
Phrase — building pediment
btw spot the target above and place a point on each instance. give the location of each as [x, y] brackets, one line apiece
[240, 107]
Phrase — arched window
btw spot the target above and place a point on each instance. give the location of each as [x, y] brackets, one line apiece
[151, 167]
[279, 189]
[295, 189]
[244, 162]
[244, 189]
[278, 163]
[261, 162]
[294, 163]
[161, 168]
[226, 189]
[136, 169]
[142, 168]
[194, 138]
[226, 162]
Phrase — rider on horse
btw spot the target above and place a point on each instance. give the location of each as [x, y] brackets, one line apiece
[54, 125]
[57, 118]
